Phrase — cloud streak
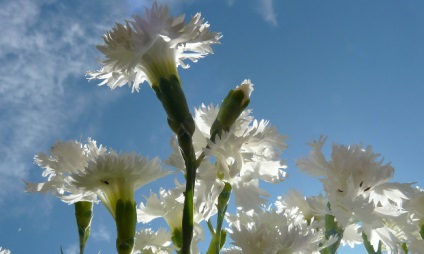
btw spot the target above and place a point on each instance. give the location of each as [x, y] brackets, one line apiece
[265, 8]
[44, 47]
[101, 233]
[267, 11]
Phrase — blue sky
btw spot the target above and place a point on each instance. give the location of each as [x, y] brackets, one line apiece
[352, 70]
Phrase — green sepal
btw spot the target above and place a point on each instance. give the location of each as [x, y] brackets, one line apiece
[405, 248]
[172, 97]
[231, 108]
[83, 215]
[126, 220]
[422, 231]
[223, 238]
[177, 237]
[224, 197]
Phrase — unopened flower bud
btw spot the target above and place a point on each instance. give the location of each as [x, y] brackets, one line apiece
[232, 106]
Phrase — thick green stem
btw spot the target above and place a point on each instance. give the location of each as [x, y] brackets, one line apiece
[172, 97]
[83, 215]
[126, 220]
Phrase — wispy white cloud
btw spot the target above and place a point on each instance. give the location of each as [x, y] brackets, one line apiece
[267, 11]
[45, 46]
[174, 5]
[265, 8]
[101, 233]
[231, 2]
[72, 249]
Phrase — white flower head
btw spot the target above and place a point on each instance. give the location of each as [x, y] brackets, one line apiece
[65, 158]
[416, 206]
[310, 207]
[355, 180]
[351, 236]
[115, 176]
[150, 47]
[169, 205]
[4, 251]
[148, 241]
[267, 231]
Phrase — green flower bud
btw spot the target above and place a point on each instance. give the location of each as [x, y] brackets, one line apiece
[231, 108]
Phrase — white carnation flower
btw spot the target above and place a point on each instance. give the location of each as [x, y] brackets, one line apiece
[4, 251]
[356, 183]
[267, 231]
[169, 205]
[150, 47]
[115, 176]
[65, 159]
[311, 207]
[148, 241]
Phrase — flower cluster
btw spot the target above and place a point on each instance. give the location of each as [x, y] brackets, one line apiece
[269, 231]
[357, 187]
[223, 150]
[249, 151]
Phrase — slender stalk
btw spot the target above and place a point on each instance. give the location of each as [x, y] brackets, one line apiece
[186, 145]
[170, 93]
[223, 199]
[210, 227]
[219, 235]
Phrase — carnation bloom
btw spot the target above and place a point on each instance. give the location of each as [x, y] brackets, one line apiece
[150, 47]
[4, 251]
[169, 205]
[66, 158]
[268, 231]
[356, 183]
[115, 176]
[312, 208]
[248, 152]
[148, 242]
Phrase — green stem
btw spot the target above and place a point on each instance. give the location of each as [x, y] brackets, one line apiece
[219, 235]
[186, 144]
[83, 215]
[210, 227]
[170, 93]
